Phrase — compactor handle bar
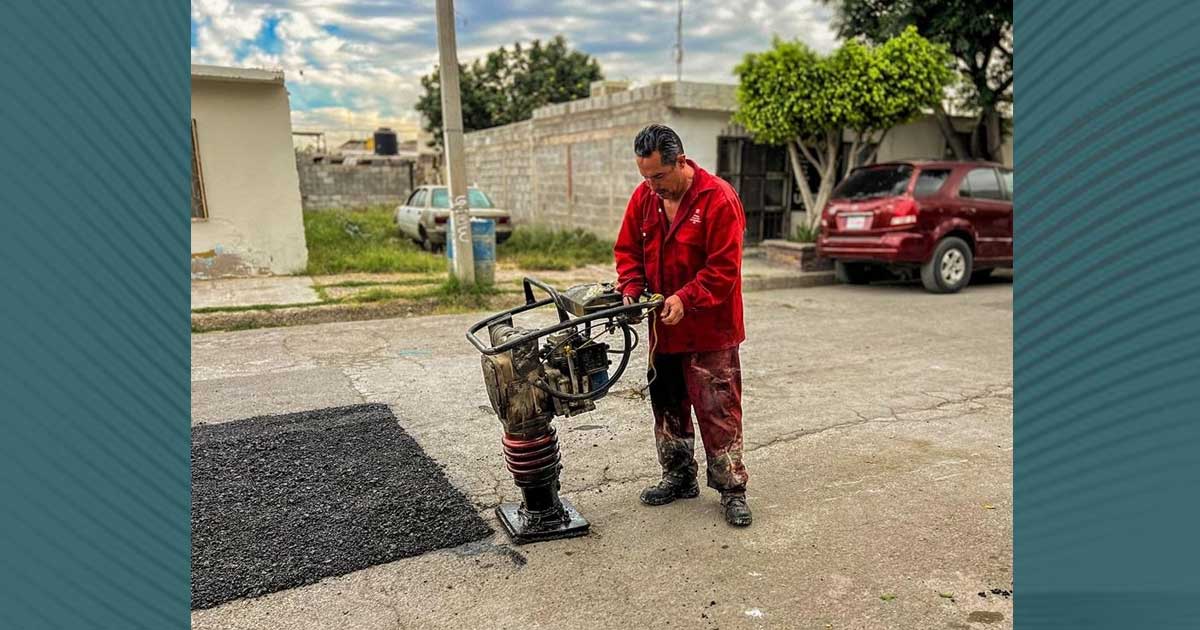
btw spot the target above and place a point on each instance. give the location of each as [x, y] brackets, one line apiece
[622, 312]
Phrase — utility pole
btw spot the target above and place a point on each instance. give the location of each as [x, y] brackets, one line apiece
[462, 264]
[679, 43]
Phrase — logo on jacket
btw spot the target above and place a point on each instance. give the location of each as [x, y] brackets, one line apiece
[695, 217]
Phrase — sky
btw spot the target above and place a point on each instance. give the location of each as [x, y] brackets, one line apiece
[356, 64]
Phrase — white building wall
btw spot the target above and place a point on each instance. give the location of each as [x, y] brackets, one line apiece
[254, 223]
[918, 139]
[699, 130]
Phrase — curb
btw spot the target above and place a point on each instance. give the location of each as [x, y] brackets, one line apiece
[773, 283]
[329, 313]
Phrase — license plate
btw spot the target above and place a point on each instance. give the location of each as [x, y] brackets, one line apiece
[856, 222]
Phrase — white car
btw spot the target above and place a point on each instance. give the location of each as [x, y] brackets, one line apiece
[424, 217]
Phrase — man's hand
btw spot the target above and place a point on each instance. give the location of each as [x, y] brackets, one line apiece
[672, 311]
[627, 299]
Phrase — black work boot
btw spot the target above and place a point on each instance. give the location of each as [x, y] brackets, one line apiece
[667, 491]
[737, 513]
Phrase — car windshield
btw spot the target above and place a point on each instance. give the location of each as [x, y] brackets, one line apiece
[883, 181]
[475, 199]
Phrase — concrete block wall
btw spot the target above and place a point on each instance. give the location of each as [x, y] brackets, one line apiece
[571, 165]
[324, 185]
[499, 163]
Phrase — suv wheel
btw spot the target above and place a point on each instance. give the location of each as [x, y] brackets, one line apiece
[949, 269]
[851, 273]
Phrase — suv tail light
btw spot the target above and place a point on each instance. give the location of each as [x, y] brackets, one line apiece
[441, 220]
[904, 211]
[502, 220]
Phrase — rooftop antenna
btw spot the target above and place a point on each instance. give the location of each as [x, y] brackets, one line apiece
[679, 43]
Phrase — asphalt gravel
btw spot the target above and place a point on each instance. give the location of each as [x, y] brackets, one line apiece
[283, 501]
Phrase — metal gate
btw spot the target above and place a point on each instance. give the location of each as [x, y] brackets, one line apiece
[761, 176]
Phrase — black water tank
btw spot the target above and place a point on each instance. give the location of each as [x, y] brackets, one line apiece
[385, 141]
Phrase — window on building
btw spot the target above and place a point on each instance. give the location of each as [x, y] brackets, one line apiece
[199, 200]
[981, 183]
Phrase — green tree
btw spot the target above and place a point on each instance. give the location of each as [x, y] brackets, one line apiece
[790, 95]
[978, 34]
[507, 85]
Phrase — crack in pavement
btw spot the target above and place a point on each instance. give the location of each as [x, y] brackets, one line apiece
[495, 498]
[489, 501]
[893, 416]
[377, 594]
[910, 471]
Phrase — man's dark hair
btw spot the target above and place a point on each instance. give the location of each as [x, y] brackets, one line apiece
[659, 138]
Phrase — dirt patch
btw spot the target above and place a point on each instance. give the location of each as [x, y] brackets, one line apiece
[985, 616]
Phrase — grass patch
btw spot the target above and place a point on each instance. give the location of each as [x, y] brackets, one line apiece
[542, 249]
[364, 240]
[350, 284]
[537, 261]
[449, 292]
[452, 293]
[454, 297]
[376, 294]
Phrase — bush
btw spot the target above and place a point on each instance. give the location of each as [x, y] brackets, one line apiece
[804, 234]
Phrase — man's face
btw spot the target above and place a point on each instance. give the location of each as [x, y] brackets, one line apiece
[667, 181]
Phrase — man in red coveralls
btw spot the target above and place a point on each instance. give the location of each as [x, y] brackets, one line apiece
[682, 238]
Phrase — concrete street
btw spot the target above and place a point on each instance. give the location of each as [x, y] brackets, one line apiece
[879, 444]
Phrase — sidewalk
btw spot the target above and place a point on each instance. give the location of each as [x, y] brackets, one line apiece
[241, 293]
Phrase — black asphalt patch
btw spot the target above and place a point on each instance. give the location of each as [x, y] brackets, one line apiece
[284, 501]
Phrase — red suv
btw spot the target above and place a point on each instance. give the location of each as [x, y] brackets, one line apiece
[950, 220]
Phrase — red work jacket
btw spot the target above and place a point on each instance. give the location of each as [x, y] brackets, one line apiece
[697, 257]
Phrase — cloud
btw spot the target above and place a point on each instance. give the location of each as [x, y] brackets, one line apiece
[356, 64]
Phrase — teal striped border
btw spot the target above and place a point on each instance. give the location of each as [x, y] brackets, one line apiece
[93, 333]
[1107, 315]
[94, 352]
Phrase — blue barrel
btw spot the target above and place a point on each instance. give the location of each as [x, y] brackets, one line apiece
[483, 245]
